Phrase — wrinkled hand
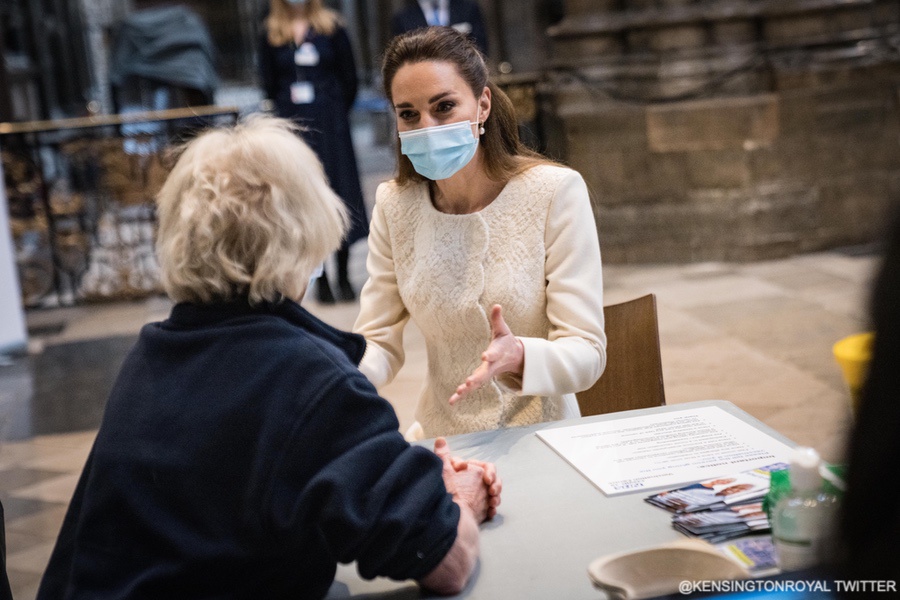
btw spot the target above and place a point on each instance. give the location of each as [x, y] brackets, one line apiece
[490, 478]
[473, 482]
[505, 354]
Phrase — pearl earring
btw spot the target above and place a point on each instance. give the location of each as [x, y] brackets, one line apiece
[481, 129]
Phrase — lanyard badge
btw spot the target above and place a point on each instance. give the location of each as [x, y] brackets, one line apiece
[306, 55]
[303, 92]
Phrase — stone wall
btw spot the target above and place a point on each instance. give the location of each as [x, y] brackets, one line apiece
[702, 141]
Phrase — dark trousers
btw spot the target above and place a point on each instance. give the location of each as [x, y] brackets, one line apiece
[5, 592]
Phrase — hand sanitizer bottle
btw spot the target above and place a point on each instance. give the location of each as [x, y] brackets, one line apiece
[803, 520]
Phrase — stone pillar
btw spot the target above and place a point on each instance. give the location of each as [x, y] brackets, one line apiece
[99, 16]
[249, 15]
[12, 319]
[726, 129]
[18, 385]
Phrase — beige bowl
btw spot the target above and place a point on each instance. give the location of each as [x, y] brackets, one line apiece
[659, 570]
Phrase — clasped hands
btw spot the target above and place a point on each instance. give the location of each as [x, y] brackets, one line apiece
[505, 354]
[472, 482]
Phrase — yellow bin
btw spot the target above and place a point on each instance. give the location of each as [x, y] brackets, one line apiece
[853, 354]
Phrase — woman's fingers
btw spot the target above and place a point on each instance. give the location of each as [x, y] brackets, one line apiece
[498, 324]
[474, 381]
[504, 353]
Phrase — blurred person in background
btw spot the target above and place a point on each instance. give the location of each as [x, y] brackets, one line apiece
[473, 222]
[308, 71]
[242, 454]
[870, 519]
[463, 15]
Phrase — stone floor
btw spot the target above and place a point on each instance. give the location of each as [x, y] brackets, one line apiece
[758, 335]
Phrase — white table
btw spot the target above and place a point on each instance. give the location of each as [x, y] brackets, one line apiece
[553, 522]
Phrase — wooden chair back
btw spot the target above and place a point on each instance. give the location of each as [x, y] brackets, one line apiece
[633, 377]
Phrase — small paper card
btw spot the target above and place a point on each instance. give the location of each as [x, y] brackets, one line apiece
[302, 92]
[306, 55]
[719, 492]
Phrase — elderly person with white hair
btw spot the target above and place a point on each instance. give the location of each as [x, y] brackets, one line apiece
[242, 454]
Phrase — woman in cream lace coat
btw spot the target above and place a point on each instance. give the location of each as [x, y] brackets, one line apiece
[490, 248]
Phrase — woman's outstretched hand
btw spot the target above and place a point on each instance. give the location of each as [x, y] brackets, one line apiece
[505, 354]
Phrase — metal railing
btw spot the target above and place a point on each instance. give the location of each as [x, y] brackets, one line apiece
[81, 200]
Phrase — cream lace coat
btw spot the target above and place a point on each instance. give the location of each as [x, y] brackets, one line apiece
[534, 251]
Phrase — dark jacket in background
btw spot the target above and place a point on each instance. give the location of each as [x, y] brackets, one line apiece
[326, 118]
[169, 45]
[242, 455]
[463, 14]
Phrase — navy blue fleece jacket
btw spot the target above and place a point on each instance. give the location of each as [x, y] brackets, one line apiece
[242, 455]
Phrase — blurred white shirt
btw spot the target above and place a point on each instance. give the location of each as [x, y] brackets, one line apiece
[437, 12]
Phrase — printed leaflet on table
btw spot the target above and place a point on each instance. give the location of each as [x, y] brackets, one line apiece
[664, 449]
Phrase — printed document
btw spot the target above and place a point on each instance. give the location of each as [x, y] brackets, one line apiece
[664, 449]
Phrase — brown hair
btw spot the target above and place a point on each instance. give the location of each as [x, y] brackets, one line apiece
[278, 23]
[504, 154]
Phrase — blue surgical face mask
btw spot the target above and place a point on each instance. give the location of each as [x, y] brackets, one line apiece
[440, 152]
[296, 2]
